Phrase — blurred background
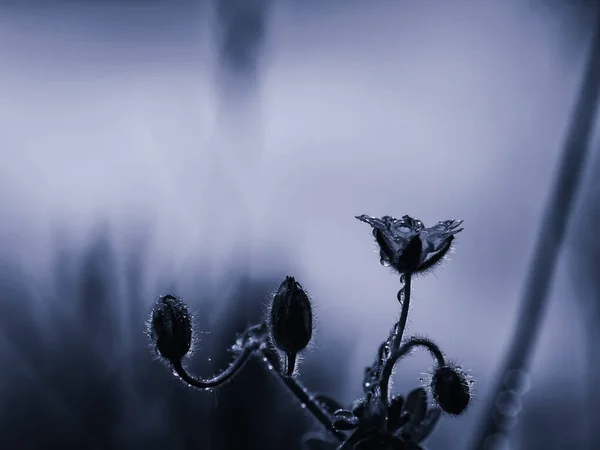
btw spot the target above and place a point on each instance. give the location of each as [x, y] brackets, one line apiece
[208, 149]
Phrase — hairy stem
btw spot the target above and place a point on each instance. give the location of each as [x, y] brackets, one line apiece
[290, 364]
[404, 298]
[221, 378]
[301, 393]
[388, 367]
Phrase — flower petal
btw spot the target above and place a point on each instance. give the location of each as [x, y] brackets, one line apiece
[436, 237]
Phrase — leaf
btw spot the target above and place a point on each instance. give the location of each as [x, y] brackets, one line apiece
[395, 417]
[381, 441]
[421, 432]
[416, 406]
[359, 408]
[346, 424]
[316, 441]
[343, 414]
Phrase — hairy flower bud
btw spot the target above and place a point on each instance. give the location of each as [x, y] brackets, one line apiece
[170, 327]
[450, 389]
[291, 321]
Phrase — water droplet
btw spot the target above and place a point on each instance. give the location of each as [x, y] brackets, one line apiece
[403, 278]
[270, 367]
[209, 359]
[367, 384]
[265, 359]
[421, 379]
[400, 295]
[303, 406]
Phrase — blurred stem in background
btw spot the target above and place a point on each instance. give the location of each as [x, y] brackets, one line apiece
[584, 264]
[230, 160]
[491, 432]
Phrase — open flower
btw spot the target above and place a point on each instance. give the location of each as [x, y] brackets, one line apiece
[407, 246]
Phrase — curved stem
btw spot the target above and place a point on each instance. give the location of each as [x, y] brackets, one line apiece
[301, 393]
[388, 367]
[223, 377]
[401, 325]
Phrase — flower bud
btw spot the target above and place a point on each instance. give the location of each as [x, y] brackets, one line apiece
[450, 389]
[170, 328]
[291, 321]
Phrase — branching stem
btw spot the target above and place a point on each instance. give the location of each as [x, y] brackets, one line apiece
[302, 394]
[388, 367]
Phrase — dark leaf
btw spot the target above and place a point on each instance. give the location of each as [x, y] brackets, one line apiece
[359, 409]
[345, 424]
[316, 441]
[380, 441]
[416, 406]
[395, 417]
[343, 414]
[421, 432]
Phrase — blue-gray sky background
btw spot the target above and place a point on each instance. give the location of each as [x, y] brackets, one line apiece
[435, 109]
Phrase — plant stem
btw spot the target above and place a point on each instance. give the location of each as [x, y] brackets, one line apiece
[401, 325]
[549, 240]
[388, 367]
[301, 393]
[223, 377]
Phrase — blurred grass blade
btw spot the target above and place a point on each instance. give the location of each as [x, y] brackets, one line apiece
[549, 240]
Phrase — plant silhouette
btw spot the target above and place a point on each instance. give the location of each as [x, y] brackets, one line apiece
[378, 420]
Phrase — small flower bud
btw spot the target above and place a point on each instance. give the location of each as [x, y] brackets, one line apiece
[291, 321]
[451, 390]
[170, 328]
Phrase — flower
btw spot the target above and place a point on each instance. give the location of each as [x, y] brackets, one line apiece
[407, 246]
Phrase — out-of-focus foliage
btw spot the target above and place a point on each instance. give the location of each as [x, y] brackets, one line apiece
[82, 376]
